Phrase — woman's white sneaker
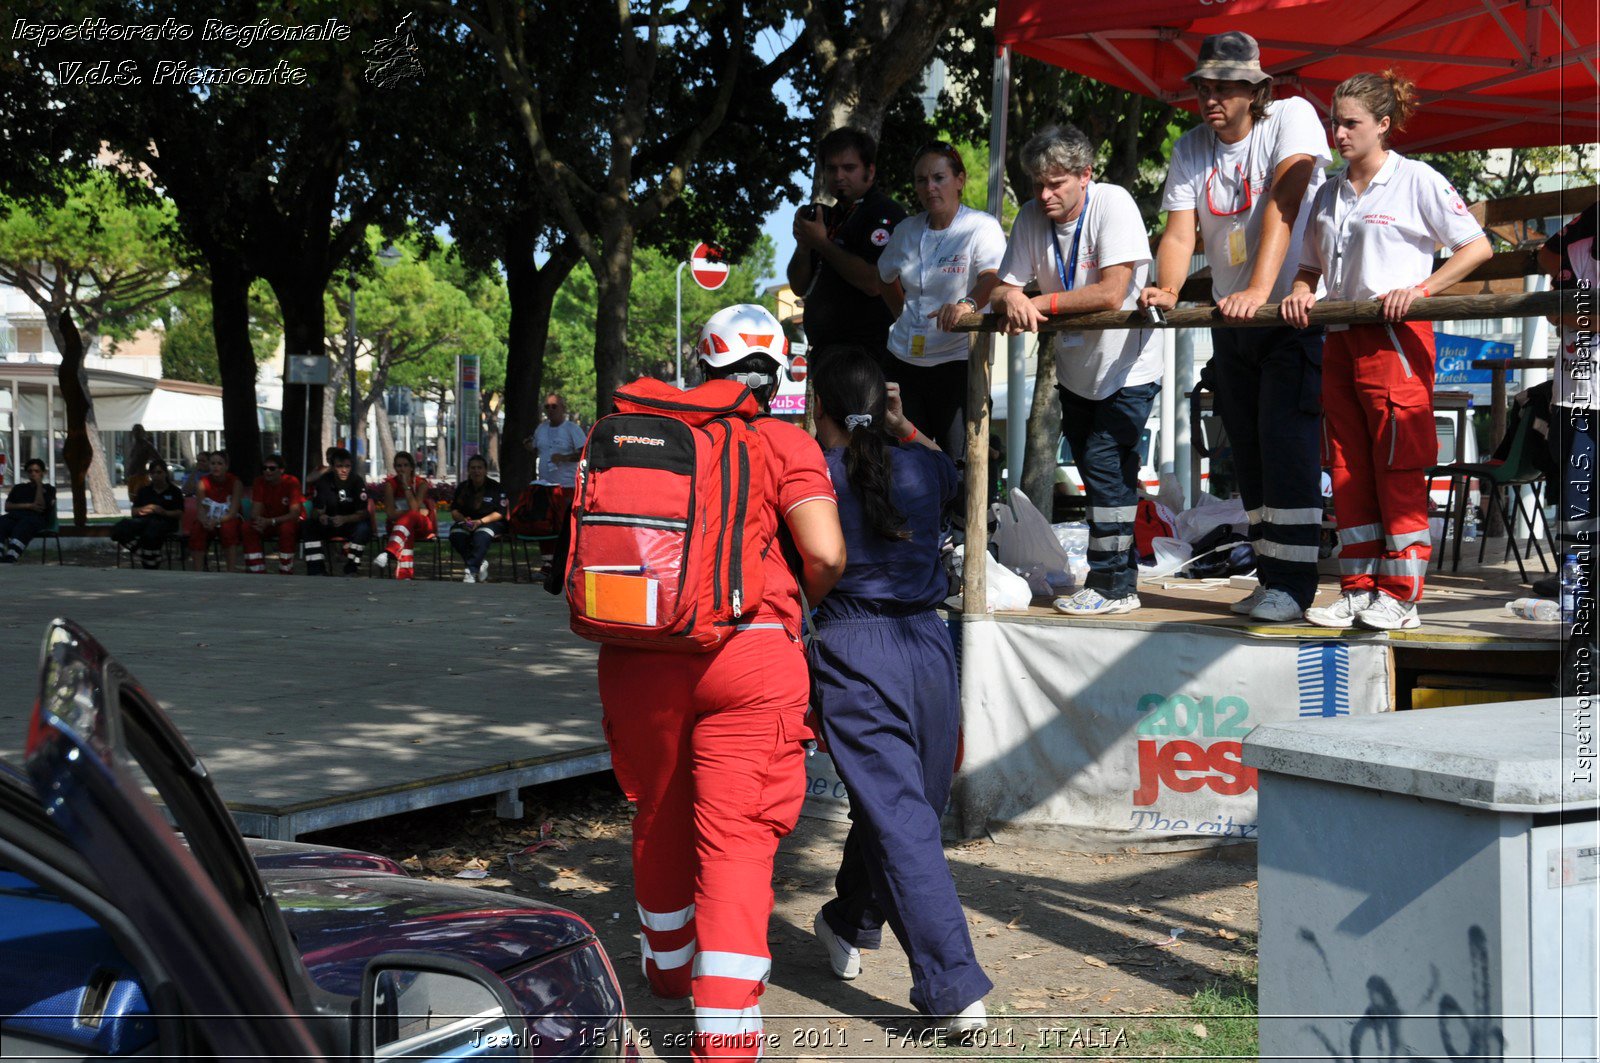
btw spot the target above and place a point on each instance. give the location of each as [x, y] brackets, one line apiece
[1389, 614]
[969, 1020]
[844, 959]
[1090, 602]
[1342, 613]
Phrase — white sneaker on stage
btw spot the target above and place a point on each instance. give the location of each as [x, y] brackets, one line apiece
[1244, 606]
[1389, 614]
[1277, 607]
[1090, 602]
[1342, 613]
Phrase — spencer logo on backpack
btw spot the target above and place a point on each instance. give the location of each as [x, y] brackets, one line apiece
[672, 518]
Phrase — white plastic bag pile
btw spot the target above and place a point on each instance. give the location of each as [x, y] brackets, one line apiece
[1028, 546]
[1006, 591]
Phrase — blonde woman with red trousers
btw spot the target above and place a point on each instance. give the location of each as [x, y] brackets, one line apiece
[1372, 234]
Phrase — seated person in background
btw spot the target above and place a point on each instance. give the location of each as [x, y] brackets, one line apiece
[407, 499]
[479, 513]
[191, 477]
[157, 511]
[219, 498]
[275, 514]
[30, 509]
[324, 469]
[338, 511]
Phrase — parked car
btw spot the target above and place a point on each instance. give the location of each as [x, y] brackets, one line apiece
[121, 935]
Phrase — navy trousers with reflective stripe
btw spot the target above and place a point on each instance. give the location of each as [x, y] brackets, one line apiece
[886, 691]
[1104, 435]
[1269, 396]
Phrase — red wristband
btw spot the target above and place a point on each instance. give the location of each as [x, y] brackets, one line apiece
[1423, 288]
[1055, 298]
[909, 438]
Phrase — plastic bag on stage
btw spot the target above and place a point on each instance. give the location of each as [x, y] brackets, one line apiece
[1207, 515]
[1171, 492]
[1007, 591]
[1170, 555]
[1074, 539]
[1027, 543]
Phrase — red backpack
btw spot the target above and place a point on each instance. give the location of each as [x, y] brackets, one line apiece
[672, 518]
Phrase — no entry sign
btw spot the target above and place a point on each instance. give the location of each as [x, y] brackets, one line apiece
[707, 267]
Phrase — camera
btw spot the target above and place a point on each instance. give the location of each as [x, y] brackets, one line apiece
[1154, 315]
[810, 211]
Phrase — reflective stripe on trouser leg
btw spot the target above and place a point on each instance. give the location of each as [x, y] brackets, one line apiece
[1268, 396]
[255, 562]
[150, 558]
[406, 568]
[1104, 435]
[728, 1033]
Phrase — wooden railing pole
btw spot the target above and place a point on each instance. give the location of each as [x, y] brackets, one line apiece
[974, 587]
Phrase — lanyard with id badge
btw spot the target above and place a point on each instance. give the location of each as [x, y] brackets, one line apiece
[1067, 267]
[1237, 251]
[921, 326]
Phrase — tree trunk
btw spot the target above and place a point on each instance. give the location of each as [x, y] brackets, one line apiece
[1044, 431]
[491, 433]
[304, 332]
[531, 290]
[613, 285]
[446, 459]
[236, 361]
[386, 447]
[330, 412]
[82, 452]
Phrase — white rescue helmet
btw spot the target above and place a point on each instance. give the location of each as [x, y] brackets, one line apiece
[735, 333]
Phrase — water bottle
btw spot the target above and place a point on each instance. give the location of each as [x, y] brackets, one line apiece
[1571, 577]
[1534, 609]
[1469, 525]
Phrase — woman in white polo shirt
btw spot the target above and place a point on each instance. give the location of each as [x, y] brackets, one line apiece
[938, 265]
[1372, 234]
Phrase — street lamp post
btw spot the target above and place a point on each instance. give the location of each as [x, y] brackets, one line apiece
[678, 349]
[350, 357]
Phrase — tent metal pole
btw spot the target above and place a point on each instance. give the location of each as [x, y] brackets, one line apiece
[16, 429]
[1016, 346]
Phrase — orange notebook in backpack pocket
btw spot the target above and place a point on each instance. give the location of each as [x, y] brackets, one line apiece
[620, 594]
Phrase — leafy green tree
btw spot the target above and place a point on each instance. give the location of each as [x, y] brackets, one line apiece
[652, 310]
[97, 258]
[673, 91]
[188, 337]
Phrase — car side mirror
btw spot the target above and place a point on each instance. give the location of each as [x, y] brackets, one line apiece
[419, 1005]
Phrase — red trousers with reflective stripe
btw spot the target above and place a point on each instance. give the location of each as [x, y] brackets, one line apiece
[404, 530]
[286, 534]
[709, 746]
[1378, 442]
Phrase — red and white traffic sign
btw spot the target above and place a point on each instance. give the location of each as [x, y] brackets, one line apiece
[707, 268]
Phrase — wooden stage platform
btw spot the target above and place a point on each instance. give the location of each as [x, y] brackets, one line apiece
[319, 702]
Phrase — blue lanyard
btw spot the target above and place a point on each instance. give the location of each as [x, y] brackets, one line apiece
[1067, 268]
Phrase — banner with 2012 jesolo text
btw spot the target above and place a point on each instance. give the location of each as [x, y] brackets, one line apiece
[1131, 735]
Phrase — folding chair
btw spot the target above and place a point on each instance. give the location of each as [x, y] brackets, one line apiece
[1498, 480]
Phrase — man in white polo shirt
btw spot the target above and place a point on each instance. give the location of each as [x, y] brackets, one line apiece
[1084, 243]
[1242, 177]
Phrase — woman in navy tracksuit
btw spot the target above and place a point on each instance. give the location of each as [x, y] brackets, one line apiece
[884, 682]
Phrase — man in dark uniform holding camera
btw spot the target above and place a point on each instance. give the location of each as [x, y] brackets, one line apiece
[835, 262]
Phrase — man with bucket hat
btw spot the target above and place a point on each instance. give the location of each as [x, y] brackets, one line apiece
[1243, 178]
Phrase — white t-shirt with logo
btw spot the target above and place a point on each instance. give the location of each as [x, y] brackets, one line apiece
[552, 439]
[1291, 127]
[1367, 245]
[934, 267]
[1091, 364]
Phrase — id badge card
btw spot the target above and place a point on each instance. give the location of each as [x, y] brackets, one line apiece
[1067, 340]
[919, 340]
[1236, 249]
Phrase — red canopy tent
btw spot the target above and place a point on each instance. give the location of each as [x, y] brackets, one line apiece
[1491, 73]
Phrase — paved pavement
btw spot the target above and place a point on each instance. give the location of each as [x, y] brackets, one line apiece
[299, 691]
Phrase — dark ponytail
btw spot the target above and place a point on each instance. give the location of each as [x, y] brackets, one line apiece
[849, 386]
